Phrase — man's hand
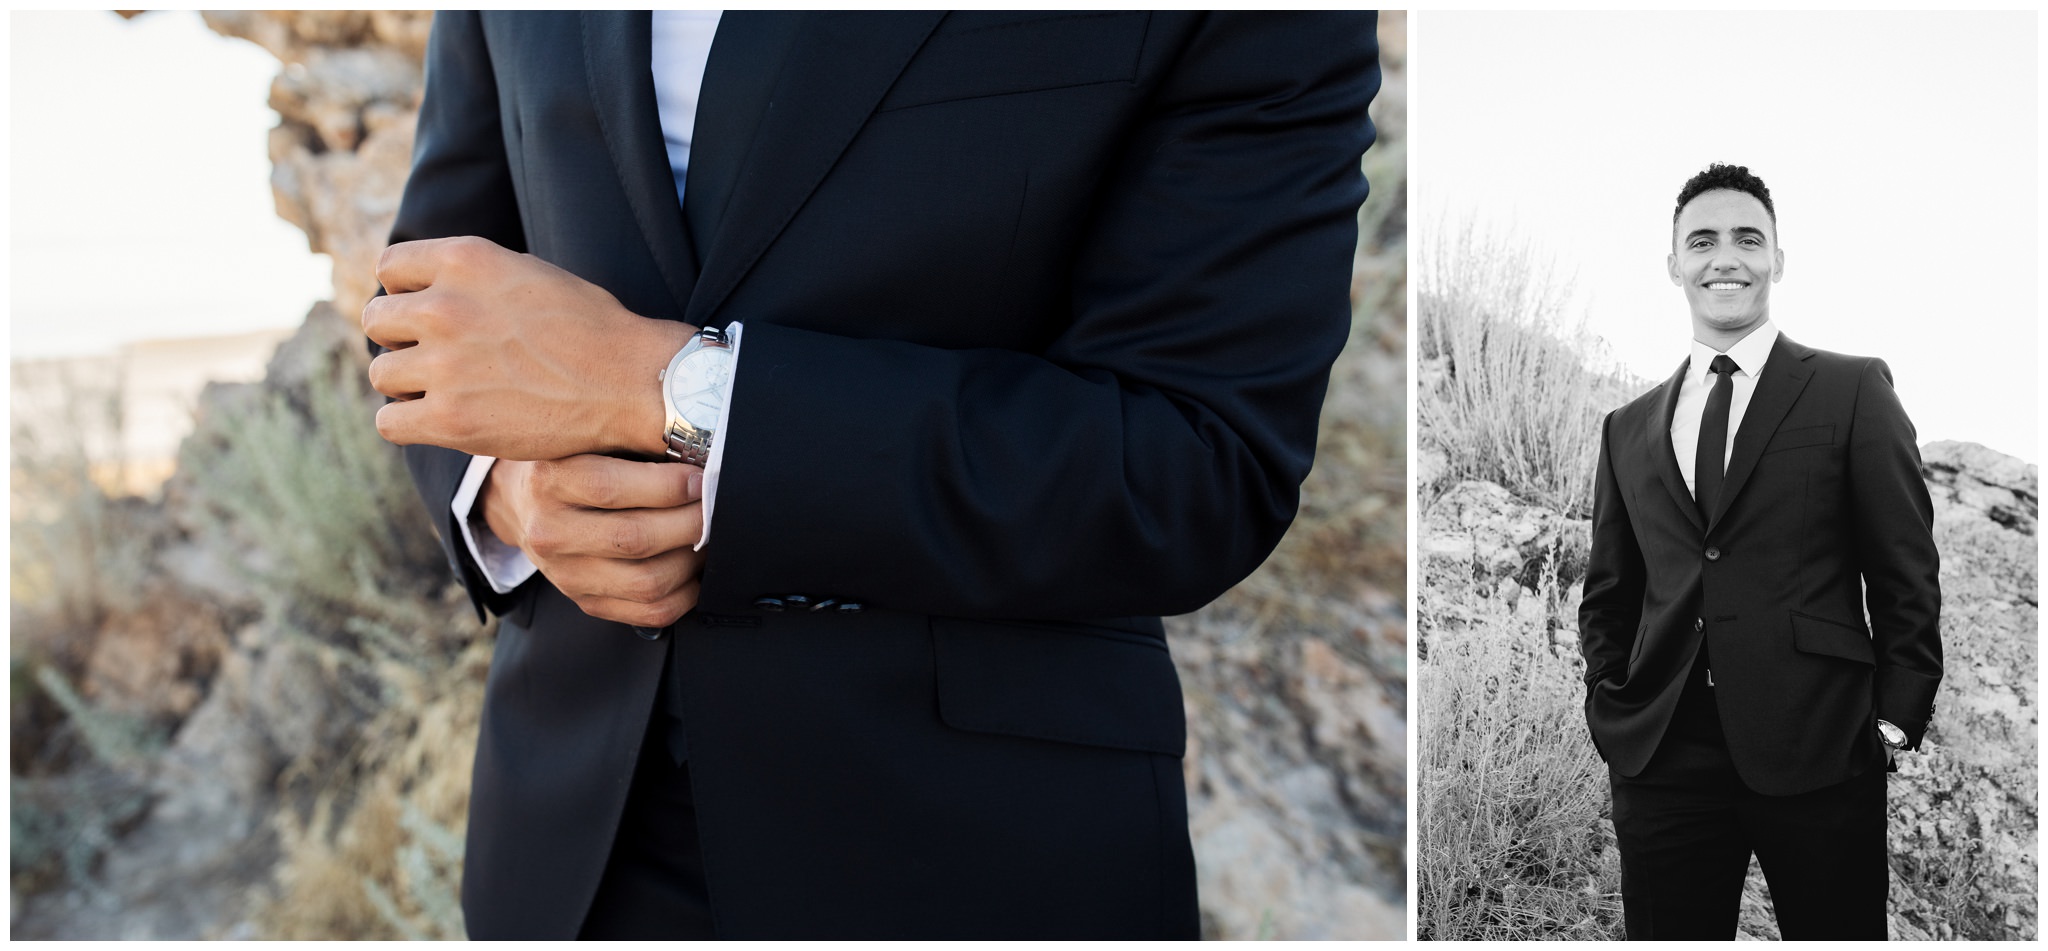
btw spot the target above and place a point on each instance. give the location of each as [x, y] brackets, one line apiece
[612, 534]
[496, 353]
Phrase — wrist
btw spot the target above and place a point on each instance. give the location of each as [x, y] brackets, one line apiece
[638, 414]
[496, 501]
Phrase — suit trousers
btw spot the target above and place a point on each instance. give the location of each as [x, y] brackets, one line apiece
[653, 885]
[1687, 825]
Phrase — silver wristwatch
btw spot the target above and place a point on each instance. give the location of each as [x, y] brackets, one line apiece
[694, 388]
[1891, 735]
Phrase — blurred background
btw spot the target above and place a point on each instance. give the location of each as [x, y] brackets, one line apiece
[243, 690]
[1901, 154]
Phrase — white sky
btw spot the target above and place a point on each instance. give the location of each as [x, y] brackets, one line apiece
[1900, 150]
[140, 186]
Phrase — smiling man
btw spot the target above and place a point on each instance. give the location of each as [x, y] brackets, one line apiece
[1749, 514]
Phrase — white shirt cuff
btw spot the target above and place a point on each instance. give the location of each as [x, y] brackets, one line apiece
[719, 435]
[504, 566]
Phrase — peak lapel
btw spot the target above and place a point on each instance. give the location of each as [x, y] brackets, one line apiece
[1785, 374]
[1658, 442]
[617, 53]
[836, 71]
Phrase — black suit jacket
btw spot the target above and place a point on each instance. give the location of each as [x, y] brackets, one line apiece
[1824, 515]
[1039, 312]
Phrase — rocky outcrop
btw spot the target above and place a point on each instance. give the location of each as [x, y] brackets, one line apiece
[346, 102]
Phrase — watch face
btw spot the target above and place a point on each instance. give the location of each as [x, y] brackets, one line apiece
[700, 386]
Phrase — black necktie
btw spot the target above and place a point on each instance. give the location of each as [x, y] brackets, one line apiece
[1709, 458]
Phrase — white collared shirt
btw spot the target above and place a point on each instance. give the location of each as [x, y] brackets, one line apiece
[1749, 355]
[681, 48]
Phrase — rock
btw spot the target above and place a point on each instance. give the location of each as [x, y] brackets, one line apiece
[156, 662]
[1479, 534]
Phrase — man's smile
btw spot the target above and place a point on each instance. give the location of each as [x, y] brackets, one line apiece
[1726, 285]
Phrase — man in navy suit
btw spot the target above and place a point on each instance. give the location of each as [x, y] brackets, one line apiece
[1010, 332]
[1748, 515]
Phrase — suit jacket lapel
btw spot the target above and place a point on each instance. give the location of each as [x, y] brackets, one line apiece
[739, 79]
[1658, 443]
[1785, 374]
[836, 70]
[617, 54]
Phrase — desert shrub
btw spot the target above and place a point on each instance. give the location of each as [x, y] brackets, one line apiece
[1512, 834]
[1512, 394]
[77, 552]
[332, 535]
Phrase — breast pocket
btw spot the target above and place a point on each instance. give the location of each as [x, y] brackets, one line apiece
[973, 55]
[1800, 438]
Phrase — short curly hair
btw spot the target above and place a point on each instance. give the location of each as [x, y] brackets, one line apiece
[1717, 176]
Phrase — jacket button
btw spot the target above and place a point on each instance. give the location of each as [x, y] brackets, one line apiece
[648, 633]
[825, 605]
[1713, 554]
[1698, 625]
[796, 602]
[849, 607]
[770, 605]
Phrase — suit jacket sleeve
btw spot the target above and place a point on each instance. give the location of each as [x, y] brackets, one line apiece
[1611, 609]
[460, 185]
[1901, 569]
[1152, 455]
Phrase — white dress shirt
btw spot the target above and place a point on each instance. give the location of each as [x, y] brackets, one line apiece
[681, 48]
[1749, 355]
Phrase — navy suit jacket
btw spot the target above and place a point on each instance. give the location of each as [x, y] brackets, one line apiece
[1824, 516]
[1040, 309]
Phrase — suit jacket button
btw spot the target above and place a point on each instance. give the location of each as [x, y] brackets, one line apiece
[1713, 554]
[648, 633]
[1698, 624]
[797, 602]
[825, 605]
[770, 605]
[849, 607]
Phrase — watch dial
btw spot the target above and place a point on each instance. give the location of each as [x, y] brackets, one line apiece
[701, 387]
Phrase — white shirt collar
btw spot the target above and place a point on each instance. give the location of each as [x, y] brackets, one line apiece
[1749, 353]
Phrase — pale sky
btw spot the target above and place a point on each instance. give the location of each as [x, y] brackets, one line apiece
[1899, 149]
[140, 186]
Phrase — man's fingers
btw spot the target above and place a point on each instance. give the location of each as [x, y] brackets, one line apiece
[394, 319]
[626, 534]
[658, 614]
[416, 265]
[604, 482]
[409, 422]
[403, 374]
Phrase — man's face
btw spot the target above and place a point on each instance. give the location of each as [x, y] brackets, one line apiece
[1725, 255]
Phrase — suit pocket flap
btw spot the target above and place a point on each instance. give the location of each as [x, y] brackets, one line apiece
[1814, 635]
[1805, 436]
[981, 53]
[1099, 689]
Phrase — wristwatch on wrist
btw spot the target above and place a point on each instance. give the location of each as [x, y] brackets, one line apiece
[1891, 735]
[694, 388]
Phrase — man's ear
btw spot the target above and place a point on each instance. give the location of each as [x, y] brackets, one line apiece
[1671, 268]
[1777, 265]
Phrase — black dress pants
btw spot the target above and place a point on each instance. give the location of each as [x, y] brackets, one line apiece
[653, 885]
[1687, 825]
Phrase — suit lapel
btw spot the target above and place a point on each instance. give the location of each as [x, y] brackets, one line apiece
[617, 53]
[837, 69]
[1785, 374]
[1658, 443]
[739, 79]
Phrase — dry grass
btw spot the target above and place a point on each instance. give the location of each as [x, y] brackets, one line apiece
[1513, 836]
[1508, 394]
[389, 865]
